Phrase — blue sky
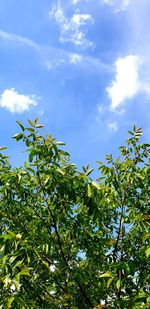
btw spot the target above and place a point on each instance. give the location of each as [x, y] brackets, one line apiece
[81, 66]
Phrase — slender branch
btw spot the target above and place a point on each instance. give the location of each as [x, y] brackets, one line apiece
[119, 236]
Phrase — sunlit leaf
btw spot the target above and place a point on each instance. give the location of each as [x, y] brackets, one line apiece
[20, 124]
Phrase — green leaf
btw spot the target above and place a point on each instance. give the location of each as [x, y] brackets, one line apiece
[31, 123]
[109, 282]
[30, 130]
[46, 180]
[118, 284]
[18, 136]
[60, 143]
[10, 301]
[36, 120]
[3, 148]
[99, 162]
[89, 171]
[106, 275]
[140, 295]
[145, 236]
[148, 299]
[131, 133]
[96, 185]
[16, 283]
[61, 171]
[147, 252]
[31, 155]
[12, 259]
[46, 264]
[20, 124]
[23, 272]
[134, 128]
[89, 190]
[31, 170]
[39, 126]
[9, 235]
[2, 248]
[127, 268]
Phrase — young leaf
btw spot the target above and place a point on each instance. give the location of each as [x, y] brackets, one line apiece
[20, 124]
[30, 130]
[89, 171]
[106, 275]
[89, 190]
[109, 282]
[31, 155]
[60, 143]
[31, 123]
[18, 136]
[3, 148]
[118, 284]
[39, 126]
[36, 120]
[10, 301]
[147, 252]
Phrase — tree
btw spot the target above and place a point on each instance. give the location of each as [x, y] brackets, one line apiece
[68, 241]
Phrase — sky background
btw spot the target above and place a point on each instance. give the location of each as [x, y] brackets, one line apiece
[81, 66]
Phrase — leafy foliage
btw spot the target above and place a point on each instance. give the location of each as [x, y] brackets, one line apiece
[68, 241]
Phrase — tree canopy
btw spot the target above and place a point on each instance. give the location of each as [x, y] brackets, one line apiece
[67, 241]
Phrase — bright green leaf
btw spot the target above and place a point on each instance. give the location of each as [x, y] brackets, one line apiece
[89, 171]
[106, 275]
[109, 282]
[3, 148]
[118, 284]
[147, 252]
[20, 124]
[39, 126]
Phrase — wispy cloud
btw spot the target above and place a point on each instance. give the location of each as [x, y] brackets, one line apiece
[72, 29]
[75, 1]
[52, 57]
[112, 126]
[15, 102]
[18, 39]
[127, 81]
[75, 58]
[118, 5]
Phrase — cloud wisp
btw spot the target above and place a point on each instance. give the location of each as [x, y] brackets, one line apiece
[18, 39]
[52, 57]
[118, 5]
[15, 102]
[72, 29]
[112, 126]
[127, 81]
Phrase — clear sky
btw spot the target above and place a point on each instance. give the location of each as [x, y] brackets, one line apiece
[81, 66]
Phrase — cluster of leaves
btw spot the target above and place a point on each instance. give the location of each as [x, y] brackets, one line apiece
[67, 241]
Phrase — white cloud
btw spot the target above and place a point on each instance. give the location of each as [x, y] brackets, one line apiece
[112, 126]
[75, 2]
[71, 29]
[52, 57]
[15, 102]
[126, 84]
[75, 58]
[18, 39]
[101, 108]
[118, 5]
